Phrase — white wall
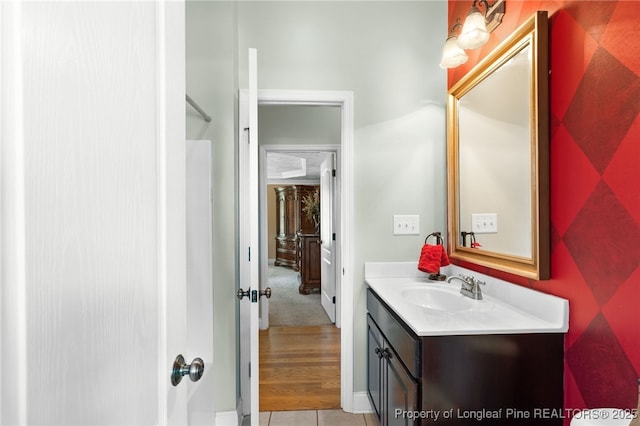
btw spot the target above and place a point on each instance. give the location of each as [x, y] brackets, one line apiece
[211, 82]
[299, 125]
[387, 53]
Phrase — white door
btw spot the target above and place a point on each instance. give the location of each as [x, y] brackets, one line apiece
[249, 254]
[327, 237]
[92, 222]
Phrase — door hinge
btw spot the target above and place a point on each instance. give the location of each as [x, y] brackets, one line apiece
[333, 172]
[333, 236]
[246, 129]
[249, 370]
[249, 254]
[334, 300]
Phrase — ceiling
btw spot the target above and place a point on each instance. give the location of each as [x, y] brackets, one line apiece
[297, 165]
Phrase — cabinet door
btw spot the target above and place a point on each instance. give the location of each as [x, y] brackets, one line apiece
[312, 261]
[375, 346]
[401, 391]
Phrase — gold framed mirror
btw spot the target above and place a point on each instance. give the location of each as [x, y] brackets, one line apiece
[498, 157]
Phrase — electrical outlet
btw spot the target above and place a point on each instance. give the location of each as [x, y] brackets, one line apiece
[406, 224]
[484, 223]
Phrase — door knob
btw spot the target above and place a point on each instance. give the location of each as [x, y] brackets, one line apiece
[266, 292]
[181, 368]
[241, 293]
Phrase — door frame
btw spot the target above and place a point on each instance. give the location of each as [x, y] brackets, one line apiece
[264, 226]
[344, 262]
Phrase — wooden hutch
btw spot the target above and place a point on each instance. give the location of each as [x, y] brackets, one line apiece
[297, 242]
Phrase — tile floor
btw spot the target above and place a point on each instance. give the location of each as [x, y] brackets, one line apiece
[315, 418]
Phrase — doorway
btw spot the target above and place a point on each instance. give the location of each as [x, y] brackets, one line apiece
[299, 343]
[288, 238]
[350, 401]
[294, 271]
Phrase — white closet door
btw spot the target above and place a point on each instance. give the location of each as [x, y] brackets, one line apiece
[93, 238]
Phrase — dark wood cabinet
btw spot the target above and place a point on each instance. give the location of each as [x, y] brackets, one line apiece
[309, 262]
[375, 342]
[460, 380]
[296, 239]
[390, 385]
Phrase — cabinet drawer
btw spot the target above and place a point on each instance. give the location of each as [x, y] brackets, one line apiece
[287, 245]
[287, 255]
[403, 341]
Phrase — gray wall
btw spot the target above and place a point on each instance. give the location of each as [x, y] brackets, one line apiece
[212, 83]
[299, 125]
[387, 53]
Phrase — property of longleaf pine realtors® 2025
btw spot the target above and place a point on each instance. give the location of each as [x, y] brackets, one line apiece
[507, 413]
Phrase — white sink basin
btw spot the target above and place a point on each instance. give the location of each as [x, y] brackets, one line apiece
[446, 299]
[433, 308]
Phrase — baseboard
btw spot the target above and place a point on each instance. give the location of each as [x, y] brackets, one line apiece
[228, 418]
[361, 403]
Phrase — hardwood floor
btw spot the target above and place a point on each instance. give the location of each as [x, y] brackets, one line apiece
[300, 368]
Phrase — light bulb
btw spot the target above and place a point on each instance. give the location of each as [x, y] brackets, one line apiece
[452, 54]
[474, 31]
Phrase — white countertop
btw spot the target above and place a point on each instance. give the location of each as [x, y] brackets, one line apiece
[506, 308]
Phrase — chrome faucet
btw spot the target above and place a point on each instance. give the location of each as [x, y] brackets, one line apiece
[470, 286]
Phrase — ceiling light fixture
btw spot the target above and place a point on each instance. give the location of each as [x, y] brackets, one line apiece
[477, 26]
[452, 54]
[475, 32]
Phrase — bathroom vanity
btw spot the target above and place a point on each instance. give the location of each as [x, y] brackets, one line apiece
[438, 359]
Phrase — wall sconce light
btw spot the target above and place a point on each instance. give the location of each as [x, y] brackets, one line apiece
[452, 53]
[475, 31]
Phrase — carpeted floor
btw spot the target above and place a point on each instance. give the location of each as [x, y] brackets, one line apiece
[287, 307]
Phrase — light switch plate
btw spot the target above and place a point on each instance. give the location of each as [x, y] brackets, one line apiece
[484, 223]
[406, 224]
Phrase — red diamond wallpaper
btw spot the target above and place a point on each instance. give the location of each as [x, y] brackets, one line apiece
[595, 188]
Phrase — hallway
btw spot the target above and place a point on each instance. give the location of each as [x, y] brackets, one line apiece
[300, 368]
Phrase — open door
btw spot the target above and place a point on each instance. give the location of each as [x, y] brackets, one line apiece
[92, 222]
[327, 237]
[249, 292]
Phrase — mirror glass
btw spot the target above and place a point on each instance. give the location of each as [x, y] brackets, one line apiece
[498, 157]
[493, 148]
